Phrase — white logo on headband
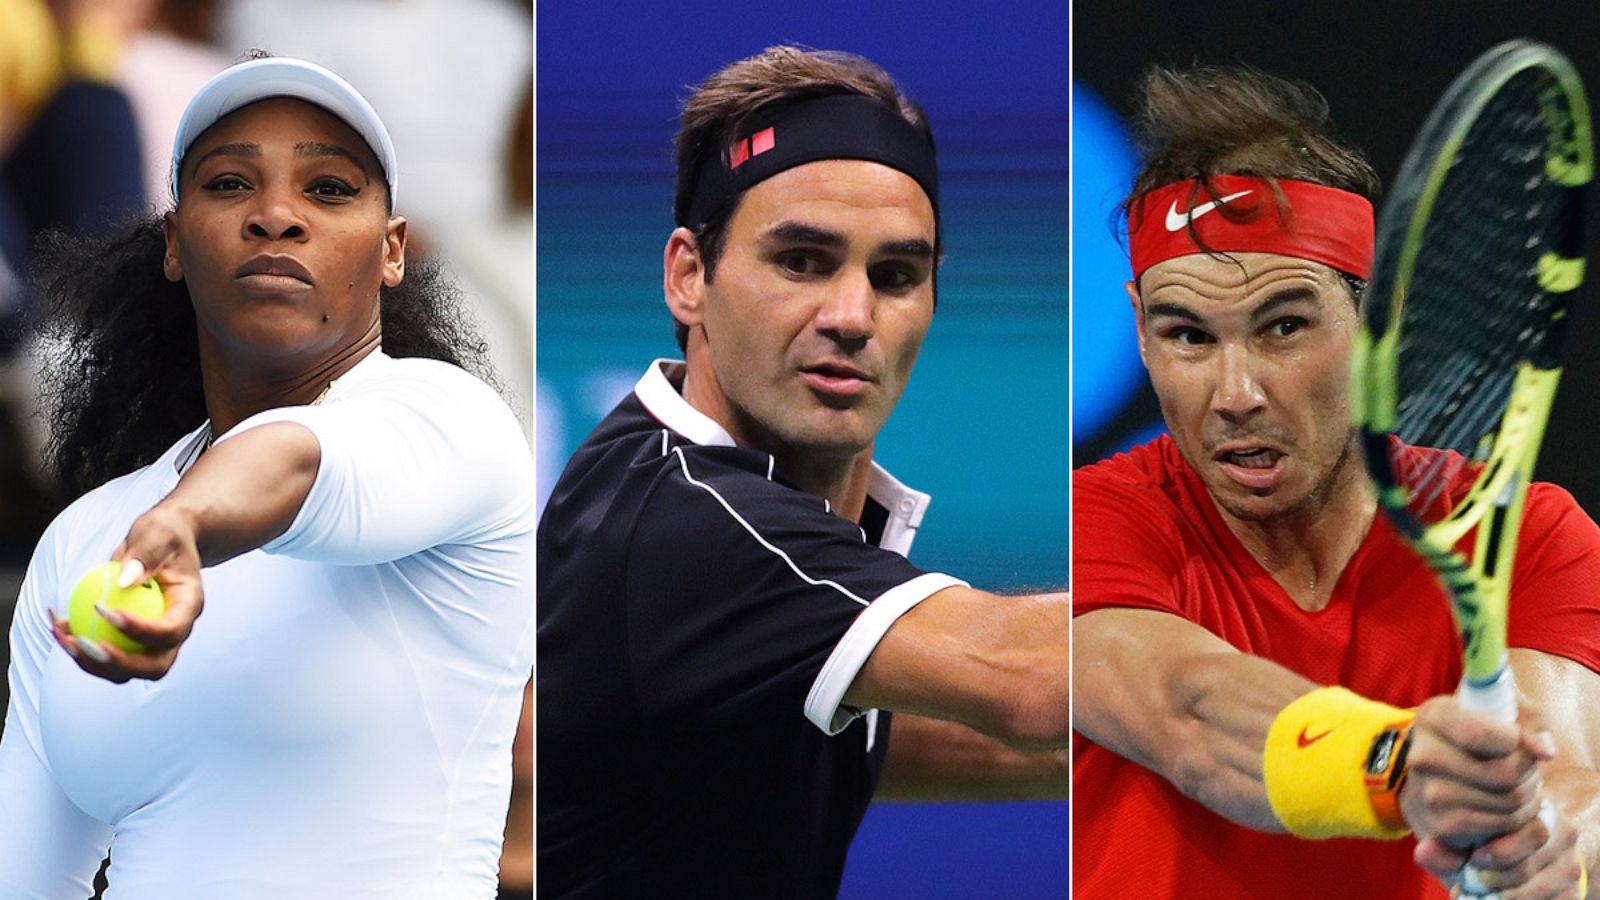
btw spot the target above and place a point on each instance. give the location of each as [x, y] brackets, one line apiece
[1177, 221]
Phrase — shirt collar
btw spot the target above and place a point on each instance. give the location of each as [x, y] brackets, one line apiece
[184, 454]
[904, 505]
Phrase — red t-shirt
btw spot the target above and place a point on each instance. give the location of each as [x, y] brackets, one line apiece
[1147, 535]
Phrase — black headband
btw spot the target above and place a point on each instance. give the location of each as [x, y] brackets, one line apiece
[839, 126]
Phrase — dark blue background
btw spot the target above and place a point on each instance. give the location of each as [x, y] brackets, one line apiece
[984, 425]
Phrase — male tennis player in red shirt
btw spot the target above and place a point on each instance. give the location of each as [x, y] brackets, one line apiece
[1250, 635]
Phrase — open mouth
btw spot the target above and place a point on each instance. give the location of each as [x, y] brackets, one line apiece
[1256, 469]
[1254, 458]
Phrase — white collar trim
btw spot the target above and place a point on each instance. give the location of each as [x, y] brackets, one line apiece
[906, 505]
[664, 402]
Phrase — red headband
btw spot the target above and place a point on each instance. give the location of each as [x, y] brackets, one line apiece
[1314, 222]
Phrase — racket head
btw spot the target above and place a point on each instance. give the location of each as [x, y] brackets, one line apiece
[1478, 250]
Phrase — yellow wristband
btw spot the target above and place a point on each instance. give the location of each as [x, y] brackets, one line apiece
[1315, 764]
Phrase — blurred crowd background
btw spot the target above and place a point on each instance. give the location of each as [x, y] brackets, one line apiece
[90, 96]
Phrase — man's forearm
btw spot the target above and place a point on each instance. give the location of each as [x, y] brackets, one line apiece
[1166, 694]
[997, 664]
[1562, 695]
[933, 760]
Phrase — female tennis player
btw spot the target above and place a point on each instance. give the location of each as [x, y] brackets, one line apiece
[268, 413]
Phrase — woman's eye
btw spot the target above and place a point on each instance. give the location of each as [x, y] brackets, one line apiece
[226, 183]
[333, 187]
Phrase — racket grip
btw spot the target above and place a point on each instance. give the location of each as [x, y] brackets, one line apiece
[1495, 698]
[1472, 883]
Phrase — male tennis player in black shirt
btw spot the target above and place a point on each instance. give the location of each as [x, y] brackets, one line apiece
[724, 600]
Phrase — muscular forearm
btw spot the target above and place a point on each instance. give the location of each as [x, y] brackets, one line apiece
[1561, 696]
[932, 760]
[996, 664]
[1170, 696]
[245, 491]
[1575, 791]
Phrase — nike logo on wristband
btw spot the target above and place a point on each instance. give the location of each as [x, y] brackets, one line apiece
[1177, 221]
[1308, 741]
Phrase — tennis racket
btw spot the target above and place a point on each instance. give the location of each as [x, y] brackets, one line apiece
[1478, 252]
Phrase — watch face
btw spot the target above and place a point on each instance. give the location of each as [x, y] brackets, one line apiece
[1382, 750]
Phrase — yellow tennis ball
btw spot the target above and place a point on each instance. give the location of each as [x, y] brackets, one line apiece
[100, 586]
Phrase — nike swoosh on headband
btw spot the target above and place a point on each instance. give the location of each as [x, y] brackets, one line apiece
[1177, 221]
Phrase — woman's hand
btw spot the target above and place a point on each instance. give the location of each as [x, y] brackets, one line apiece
[160, 545]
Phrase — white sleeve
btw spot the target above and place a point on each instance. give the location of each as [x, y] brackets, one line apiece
[411, 461]
[51, 847]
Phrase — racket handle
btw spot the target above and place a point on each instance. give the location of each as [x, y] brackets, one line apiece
[1495, 698]
[1472, 883]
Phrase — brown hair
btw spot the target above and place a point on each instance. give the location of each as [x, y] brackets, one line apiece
[1235, 120]
[720, 105]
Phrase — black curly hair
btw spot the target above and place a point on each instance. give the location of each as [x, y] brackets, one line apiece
[120, 354]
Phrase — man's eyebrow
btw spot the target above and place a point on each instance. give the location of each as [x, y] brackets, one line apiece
[802, 233]
[1172, 310]
[1266, 309]
[317, 148]
[805, 233]
[910, 247]
[1282, 298]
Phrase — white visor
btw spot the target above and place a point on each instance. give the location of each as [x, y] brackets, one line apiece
[260, 79]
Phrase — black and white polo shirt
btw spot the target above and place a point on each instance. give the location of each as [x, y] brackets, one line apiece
[699, 623]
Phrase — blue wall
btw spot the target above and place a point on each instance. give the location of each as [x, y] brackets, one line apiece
[984, 425]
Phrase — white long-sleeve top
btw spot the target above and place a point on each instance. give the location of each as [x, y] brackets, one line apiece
[339, 723]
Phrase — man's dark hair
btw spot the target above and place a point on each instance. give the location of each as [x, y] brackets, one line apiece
[120, 353]
[719, 106]
[1235, 120]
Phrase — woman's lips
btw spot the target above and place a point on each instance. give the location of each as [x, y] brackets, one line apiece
[274, 275]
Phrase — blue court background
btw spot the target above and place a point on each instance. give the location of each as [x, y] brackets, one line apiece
[984, 425]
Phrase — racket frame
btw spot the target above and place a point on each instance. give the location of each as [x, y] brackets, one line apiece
[1478, 589]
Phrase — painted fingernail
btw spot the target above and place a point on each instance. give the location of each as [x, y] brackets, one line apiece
[113, 616]
[132, 573]
[93, 650]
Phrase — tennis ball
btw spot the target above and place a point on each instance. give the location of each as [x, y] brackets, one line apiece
[100, 586]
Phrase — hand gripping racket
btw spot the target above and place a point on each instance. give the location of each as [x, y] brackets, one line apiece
[1478, 252]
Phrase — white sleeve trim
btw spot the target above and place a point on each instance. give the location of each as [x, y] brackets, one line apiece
[850, 654]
